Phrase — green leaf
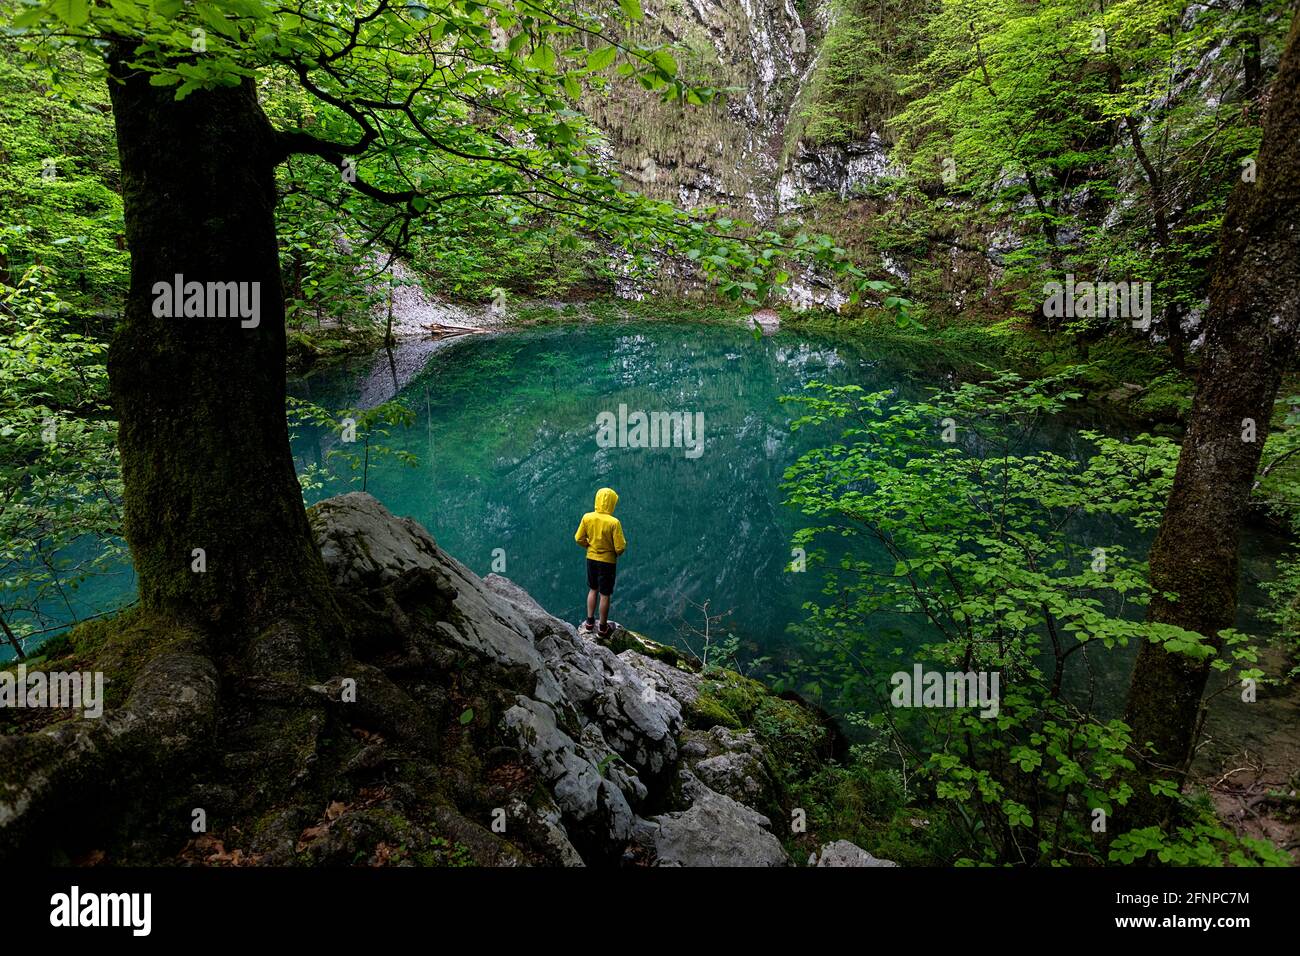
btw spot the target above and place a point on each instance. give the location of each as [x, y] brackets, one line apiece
[631, 9]
[599, 59]
[542, 58]
[167, 8]
[72, 12]
[467, 716]
[664, 61]
[29, 18]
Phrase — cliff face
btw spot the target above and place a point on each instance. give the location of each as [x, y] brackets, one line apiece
[745, 152]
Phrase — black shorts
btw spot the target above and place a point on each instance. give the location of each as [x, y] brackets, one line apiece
[600, 576]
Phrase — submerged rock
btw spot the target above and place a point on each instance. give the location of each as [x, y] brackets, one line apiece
[1123, 393]
[767, 320]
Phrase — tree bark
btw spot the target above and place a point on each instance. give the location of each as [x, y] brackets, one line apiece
[1254, 313]
[201, 401]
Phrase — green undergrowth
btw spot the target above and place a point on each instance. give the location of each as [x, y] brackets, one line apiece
[619, 310]
[826, 797]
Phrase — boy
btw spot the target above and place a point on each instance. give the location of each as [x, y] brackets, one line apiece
[602, 535]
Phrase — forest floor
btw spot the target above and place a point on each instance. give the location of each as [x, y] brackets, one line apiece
[1249, 763]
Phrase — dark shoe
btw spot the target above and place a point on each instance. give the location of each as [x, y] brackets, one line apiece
[607, 630]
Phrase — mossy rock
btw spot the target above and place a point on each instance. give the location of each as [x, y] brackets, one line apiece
[307, 349]
[1167, 399]
[119, 646]
[708, 712]
[734, 695]
[794, 732]
[626, 640]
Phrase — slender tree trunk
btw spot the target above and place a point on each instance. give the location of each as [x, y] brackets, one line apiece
[1254, 312]
[1250, 51]
[1172, 319]
[201, 400]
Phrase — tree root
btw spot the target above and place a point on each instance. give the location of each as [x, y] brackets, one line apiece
[75, 774]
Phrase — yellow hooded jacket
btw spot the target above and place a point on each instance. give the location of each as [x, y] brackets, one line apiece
[600, 532]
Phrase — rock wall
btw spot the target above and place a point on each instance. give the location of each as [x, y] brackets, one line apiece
[744, 152]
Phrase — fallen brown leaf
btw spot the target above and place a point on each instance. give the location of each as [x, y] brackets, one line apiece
[311, 834]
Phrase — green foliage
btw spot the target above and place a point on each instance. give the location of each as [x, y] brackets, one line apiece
[467, 154]
[1108, 136]
[325, 277]
[985, 554]
[59, 206]
[542, 257]
[1277, 487]
[1204, 843]
[359, 434]
[853, 89]
[437, 131]
[59, 517]
[871, 806]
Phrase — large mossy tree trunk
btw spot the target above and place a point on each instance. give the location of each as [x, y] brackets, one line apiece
[201, 401]
[1254, 313]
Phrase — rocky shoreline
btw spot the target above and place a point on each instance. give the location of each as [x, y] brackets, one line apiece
[631, 747]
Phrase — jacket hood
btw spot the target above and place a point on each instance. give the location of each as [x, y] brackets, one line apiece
[606, 500]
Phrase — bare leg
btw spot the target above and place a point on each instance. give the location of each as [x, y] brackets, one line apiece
[591, 604]
[604, 608]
